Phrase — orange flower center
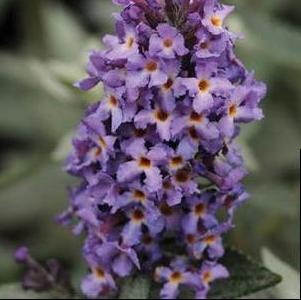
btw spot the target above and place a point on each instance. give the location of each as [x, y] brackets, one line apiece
[151, 66]
[130, 42]
[138, 216]
[161, 115]
[182, 176]
[190, 239]
[139, 196]
[207, 277]
[196, 118]
[100, 274]
[209, 240]
[233, 110]
[168, 43]
[165, 209]
[200, 209]
[113, 101]
[167, 185]
[139, 132]
[176, 277]
[98, 151]
[193, 133]
[176, 161]
[145, 163]
[168, 85]
[102, 142]
[216, 21]
[204, 85]
[204, 45]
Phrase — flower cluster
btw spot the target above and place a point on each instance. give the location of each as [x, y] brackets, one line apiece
[156, 156]
[51, 276]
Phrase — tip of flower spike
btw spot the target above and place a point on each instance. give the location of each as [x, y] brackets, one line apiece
[21, 255]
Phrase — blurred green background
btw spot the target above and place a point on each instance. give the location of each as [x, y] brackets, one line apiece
[44, 46]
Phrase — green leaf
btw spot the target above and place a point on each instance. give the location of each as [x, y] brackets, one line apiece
[135, 288]
[264, 33]
[37, 76]
[15, 291]
[35, 198]
[290, 286]
[9, 269]
[63, 148]
[19, 165]
[100, 12]
[29, 113]
[65, 35]
[247, 277]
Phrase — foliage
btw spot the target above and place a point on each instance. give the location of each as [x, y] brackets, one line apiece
[246, 277]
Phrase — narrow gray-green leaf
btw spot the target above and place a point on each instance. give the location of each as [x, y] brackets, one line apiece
[264, 33]
[15, 291]
[65, 35]
[37, 197]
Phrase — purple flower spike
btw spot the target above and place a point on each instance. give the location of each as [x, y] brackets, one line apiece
[175, 96]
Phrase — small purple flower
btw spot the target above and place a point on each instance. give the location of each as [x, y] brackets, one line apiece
[171, 88]
[132, 231]
[200, 122]
[169, 193]
[111, 106]
[204, 87]
[123, 47]
[167, 42]
[172, 216]
[144, 162]
[159, 117]
[212, 243]
[145, 72]
[173, 277]
[227, 170]
[200, 210]
[99, 282]
[183, 181]
[96, 68]
[150, 247]
[209, 46]
[238, 109]
[233, 200]
[209, 273]
[214, 16]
